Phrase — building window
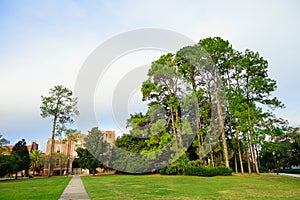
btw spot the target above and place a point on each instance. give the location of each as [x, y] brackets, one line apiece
[58, 148]
[57, 162]
[110, 136]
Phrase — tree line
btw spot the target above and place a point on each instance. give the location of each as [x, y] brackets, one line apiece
[231, 86]
[208, 105]
[19, 159]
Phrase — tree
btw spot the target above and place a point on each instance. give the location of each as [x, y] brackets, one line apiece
[200, 66]
[7, 164]
[96, 145]
[87, 161]
[36, 161]
[62, 108]
[233, 91]
[3, 142]
[21, 155]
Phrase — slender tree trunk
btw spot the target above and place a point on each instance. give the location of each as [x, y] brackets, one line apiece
[234, 149]
[240, 154]
[251, 155]
[173, 126]
[52, 147]
[235, 163]
[248, 161]
[255, 159]
[212, 159]
[178, 128]
[221, 122]
[258, 160]
[251, 143]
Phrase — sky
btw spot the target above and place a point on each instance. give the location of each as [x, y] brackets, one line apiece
[45, 43]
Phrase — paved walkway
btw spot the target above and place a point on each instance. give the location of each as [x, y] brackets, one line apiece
[293, 175]
[75, 190]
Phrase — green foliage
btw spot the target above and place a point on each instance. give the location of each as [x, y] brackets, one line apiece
[62, 108]
[96, 152]
[96, 145]
[87, 161]
[3, 142]
[131, 143]
[125, 161]
[60, 105]
[7, 164]
[36, 160]
[206, 171]
[214, 71]
[20, 154]
[286, 146]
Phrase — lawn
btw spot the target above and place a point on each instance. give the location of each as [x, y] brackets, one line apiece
[36, 188]
[191, 187]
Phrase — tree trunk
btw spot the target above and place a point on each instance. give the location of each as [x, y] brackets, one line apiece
[225, 148]
[212, 159]
[258, 160]
[248, 162]
[240, 154]
[255, 159]
[235, 163]
[52, 147]
[251, 143]
[173, 126]
[221, 123]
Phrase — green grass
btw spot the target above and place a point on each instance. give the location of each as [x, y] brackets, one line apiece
[191, 187]
[36, 188]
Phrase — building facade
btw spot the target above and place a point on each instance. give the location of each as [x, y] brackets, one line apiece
[33, 146]
[64, 152]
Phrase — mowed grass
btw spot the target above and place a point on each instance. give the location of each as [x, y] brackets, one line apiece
[191, 187]
[36, 188]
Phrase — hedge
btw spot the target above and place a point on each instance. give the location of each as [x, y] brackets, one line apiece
[207, 171]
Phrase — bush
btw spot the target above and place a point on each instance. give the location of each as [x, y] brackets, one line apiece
[223, 171]
[263, 170]
[207, 171]
[169, 170]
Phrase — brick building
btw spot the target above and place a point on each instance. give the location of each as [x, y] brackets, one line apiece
[64, 151]
[33, 146]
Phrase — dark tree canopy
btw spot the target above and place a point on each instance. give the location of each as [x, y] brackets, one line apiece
[87, 161]
[21, 155]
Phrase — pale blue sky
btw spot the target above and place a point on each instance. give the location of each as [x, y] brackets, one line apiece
[44, 43]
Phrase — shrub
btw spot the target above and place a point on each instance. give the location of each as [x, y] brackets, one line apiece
[223, 171]
[263, 170]
[207, 171]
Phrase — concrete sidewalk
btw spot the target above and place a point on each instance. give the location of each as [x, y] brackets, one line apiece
[293, 175]
[74, 190]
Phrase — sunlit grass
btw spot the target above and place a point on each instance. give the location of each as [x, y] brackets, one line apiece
[191, 187]
[36, 188]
